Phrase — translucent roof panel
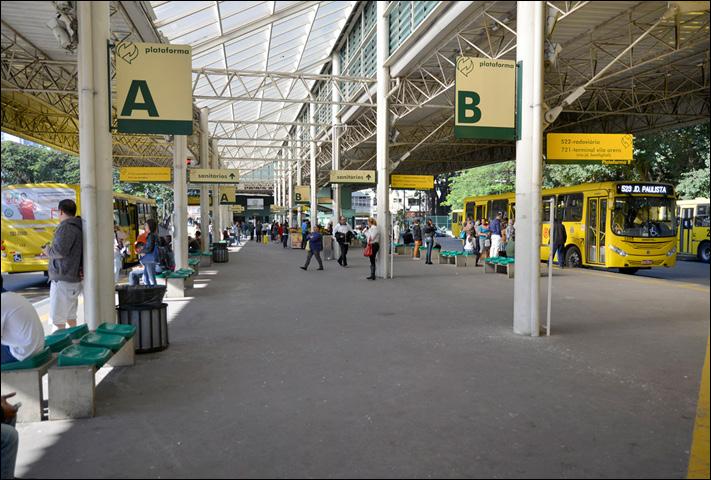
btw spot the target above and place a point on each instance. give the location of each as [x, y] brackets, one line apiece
[252, 36]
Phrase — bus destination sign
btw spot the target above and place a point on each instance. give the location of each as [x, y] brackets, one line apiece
[644, 188]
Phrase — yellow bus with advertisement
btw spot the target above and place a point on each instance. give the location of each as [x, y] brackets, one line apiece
[457, 217]
[623, 225]
[30, 217]
[693, 221]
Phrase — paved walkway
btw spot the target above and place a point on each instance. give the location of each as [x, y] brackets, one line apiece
[276, 372]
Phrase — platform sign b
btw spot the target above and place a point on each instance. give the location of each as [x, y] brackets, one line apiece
[485, 99]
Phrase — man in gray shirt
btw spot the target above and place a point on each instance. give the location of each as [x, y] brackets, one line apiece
[65, 265]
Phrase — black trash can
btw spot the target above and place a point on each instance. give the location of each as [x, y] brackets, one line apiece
[220, 254]
[151, 324]
[130, 295]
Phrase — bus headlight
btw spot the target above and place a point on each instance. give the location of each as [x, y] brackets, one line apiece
[618, 251]
[671, 252]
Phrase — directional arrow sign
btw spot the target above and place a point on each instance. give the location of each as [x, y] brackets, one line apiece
[209, 175]
[353, 176]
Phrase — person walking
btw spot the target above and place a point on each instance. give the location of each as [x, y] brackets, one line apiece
[120, 251]
[342, 233]
[149, 253]
[315, 240]
[495, 228]
[258, 231]
[417, 236]
[285, 234]
[65, 266]
[371, 249]
[429, 236]
[560, 236]
[304, 233]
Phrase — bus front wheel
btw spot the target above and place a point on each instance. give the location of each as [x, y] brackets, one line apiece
[704, 252]
[573, 259]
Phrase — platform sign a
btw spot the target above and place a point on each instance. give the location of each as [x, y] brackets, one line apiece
[154, 88]
[228, 195]
[485, 94]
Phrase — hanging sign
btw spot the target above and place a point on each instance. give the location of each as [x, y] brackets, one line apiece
[352, 176]
[145, 174]
[412, 182]
[210, 175]
[238, 208]
[277, 208]
[608, 148]
[154, 88]
[302, 194]
[485, 93]
[228, 195]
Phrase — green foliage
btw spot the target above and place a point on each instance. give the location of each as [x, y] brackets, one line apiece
[29, 164]
[695, 184]
[487, 180]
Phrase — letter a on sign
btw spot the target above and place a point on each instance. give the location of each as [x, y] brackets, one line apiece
[154, 88]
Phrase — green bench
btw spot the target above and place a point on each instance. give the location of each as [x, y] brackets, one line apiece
[177, 281]
[194, 263]
[25, 379]
[500, 265]
[72, 384]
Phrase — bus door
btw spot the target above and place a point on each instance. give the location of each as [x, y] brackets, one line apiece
[686, 226]
[596, 226]
[480, 211]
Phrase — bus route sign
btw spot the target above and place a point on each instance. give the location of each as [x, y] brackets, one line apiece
[606, 148]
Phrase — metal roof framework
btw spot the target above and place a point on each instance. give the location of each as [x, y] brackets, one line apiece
[612, 67]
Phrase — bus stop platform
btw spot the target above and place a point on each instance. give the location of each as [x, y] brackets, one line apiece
[275, 372]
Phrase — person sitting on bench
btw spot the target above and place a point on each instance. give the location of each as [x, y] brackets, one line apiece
[22, 332]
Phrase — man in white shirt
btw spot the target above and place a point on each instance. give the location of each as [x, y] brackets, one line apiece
[341, 234]
[22, 332]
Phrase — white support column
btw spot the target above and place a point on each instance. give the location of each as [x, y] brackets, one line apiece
[96, 170]
[204, 189]
[290, 180]
[312, 157]
[180, 201]
[382, 140]
[284, 164]
[216, 210]
[299, 163]
[529, 50]
[335, 137]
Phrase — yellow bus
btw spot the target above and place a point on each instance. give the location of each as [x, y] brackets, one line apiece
[693, 220]
[456, 220]
[30, 217]
[621, 225]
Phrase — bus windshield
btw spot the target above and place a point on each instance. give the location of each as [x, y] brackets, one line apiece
[643, 217]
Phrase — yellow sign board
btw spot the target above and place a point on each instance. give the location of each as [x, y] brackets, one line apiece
[210, 175]
[608, 148]
[412, 182]
[228, 195]
[277, 208]
[154, 88]
[352, 176]
[302, 194]
[238, 208]
[485, 93]
[145, 174]
[194, 200]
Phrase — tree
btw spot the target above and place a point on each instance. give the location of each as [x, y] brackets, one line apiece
[30, 164]
[487, 180]
[695, 184]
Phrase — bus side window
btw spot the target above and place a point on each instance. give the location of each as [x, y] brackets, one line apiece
[497, 206]
[469, 210]
[546, 210]
[572, 204]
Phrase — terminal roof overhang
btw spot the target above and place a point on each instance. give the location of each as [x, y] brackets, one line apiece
[662, 82]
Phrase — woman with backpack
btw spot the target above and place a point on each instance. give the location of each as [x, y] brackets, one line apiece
[149, 253]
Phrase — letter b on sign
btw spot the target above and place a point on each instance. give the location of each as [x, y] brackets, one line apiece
[468, 110]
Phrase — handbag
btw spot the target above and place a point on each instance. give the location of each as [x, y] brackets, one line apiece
[368, 250]
[463, 235]
[487, 243]
[308, 245]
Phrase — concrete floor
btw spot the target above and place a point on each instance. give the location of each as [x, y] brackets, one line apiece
[276, 372]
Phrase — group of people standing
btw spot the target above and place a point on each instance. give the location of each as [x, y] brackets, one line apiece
[426, 233]
[485, 238]
[343, 234]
